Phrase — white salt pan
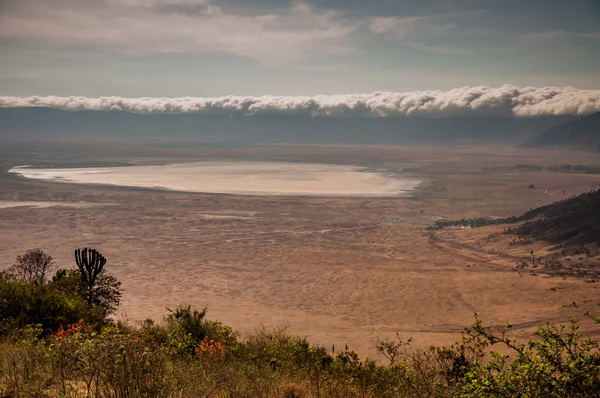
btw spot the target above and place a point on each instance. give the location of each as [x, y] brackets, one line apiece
[250, 178]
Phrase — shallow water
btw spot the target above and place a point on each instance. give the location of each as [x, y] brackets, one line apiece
[231, 177]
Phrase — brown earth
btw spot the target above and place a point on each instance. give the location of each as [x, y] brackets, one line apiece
[341, 271]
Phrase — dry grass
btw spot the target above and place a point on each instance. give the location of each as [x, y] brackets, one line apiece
[341, 271]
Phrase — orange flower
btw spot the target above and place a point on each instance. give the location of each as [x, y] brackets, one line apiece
[71, 329]
[210, 349]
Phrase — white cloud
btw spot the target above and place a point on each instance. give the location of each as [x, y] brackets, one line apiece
[417, 28]
[466, 101]
[410, 27]
[418, 31]
[179, 26]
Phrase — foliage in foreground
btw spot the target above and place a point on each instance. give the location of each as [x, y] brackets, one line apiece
[169, 360]
[187, 355]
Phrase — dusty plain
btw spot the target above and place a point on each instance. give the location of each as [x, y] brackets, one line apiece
[338, 270]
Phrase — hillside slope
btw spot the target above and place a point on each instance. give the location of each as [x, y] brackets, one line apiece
[571, 221]
[581, 133]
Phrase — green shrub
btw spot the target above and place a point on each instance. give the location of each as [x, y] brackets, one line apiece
[559, 362]
[23, 304]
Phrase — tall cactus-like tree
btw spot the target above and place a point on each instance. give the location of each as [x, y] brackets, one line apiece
[90, 263]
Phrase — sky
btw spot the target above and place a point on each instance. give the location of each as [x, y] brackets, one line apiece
[213, 48]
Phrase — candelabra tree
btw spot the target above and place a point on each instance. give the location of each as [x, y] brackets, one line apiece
[99, 288]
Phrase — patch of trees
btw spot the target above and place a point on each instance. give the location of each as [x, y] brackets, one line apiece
[560, 168]
[472, 222]
[31, 294]
[579, 262]
[530, 167]
[578, 168]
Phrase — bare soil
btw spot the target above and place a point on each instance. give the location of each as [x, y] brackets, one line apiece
[338, 270]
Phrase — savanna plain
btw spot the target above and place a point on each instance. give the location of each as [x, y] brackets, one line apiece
[339, 269]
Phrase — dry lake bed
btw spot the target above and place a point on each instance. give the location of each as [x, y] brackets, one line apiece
[239, 177]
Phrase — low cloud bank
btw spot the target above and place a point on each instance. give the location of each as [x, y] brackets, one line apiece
[466, 101]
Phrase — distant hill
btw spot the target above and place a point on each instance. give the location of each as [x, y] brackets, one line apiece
[571, 221]
[34, 124]
[581, 133]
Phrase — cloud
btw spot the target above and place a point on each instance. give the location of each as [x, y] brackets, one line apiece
[466, 101]
[418, 31]
[444, 50]
[417, 28]
[153, 3]
[410, 27]
[591, 35]
[179, 26]
[556, 34]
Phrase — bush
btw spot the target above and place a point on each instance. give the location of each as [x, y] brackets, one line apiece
[559, 362]
[107, 294]
[22, 304]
